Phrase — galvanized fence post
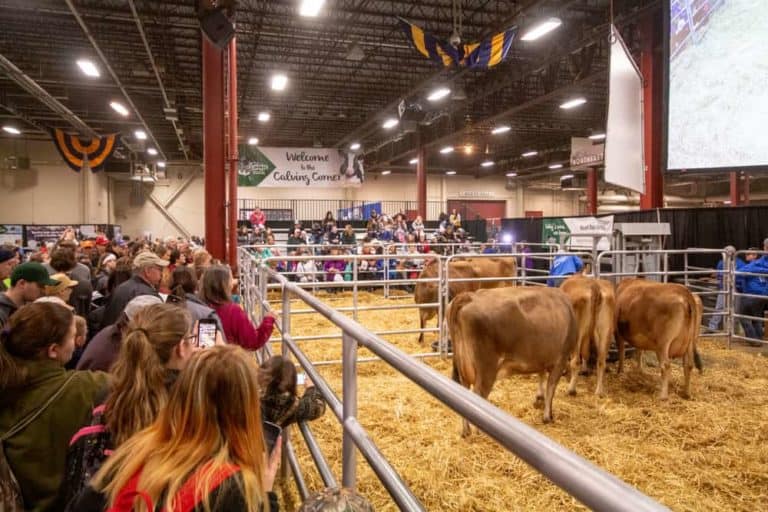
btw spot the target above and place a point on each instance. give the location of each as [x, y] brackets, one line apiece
[349, 395]
[354, 286]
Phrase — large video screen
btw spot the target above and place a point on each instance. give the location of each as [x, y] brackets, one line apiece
[718, 84]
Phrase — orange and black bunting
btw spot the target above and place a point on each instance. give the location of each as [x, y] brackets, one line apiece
[75, 151]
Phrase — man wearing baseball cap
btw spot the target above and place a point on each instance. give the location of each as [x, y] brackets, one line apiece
[148, 271]
[27, 284]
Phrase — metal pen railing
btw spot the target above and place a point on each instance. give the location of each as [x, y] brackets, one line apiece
[585, 481]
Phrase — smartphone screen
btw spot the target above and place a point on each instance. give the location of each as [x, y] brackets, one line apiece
[301, 378]
[206, 333]
[271, 433]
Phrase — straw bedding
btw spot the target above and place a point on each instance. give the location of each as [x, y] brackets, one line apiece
[708, 453]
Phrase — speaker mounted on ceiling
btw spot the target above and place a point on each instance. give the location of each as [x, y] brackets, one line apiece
[217, 21]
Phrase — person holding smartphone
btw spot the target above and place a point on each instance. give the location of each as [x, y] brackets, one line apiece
[280, 402]
[216, 291]
[156, 346]
[204, 439]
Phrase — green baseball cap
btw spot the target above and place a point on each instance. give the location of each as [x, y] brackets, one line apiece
[32, 272]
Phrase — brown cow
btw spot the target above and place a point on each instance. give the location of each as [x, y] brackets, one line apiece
[584, 294]
[661, 317]
[501, 331]
[461, 269]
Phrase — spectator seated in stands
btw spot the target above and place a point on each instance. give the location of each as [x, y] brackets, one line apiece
[203, 437]
[334, 499]
[216, 291]
[455, 219]
[328, 221]
[157, 344]
[334, 237]
[306, 271]
[38, 341]
[417, 228]
[563, 265]
[348, 236]
[280, 403]
[258, 218]
[145, 281]
[295, 239]
[334, 268]
[28, 282]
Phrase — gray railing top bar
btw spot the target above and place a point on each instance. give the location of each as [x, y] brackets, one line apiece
[585, 481]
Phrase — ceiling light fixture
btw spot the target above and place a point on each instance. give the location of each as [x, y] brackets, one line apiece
[12, 130]
[119, 108]
[566, 177]
[487, 163]
[310, 8]
[384, 173]
[390, 123]
[469, 149]
[354, 146]
[597, 136]
[556, 166]
[413, 161]
[253, 141]
[88, 68]
[500, 129]
[438, 94]
[446, 150]
[575, 102]
[161, 165]
[279, 81]
[511, 174]
[152, 151]
[450, 173]
[529, 154]
[541, 29]
[263, 117]
[140, 134]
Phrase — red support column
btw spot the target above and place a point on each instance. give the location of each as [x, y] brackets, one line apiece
[745, 188]
[232, 210]
[421, 183]
[592, 191]
[213, 149]
[735, 195]
[651, 68]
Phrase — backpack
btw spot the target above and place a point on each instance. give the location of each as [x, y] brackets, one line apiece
[11, 499]
[88, 449]
[185, 500]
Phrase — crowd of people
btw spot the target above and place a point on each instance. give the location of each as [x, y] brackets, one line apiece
[108, 399]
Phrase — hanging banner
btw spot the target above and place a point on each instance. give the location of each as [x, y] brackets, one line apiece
[570, 228]
[586, 153]
[77, 153]
[298, 167]
[10, 234]
[624, 159]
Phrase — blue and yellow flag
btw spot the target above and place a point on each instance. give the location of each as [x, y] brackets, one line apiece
[482, 55]
[490, 51]
[427, 44]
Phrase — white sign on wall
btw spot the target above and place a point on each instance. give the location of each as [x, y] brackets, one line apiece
[298, 167]
[624, 165]
[586, 153]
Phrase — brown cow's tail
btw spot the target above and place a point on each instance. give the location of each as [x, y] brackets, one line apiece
[454, 308]
[695, 310]
[597, 305]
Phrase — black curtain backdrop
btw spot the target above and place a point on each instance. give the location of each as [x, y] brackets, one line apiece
[707, 228]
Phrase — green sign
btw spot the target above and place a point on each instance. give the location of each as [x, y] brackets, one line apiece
[551, 229]
[253, 166]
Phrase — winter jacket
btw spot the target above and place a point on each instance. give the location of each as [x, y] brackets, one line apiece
[238, 327]
[348, 238]
[7, 308]
[198, 310]
[564, 265]
[102, 350]
[286, 408]
[122, 295]
[339, 265]
[755, 285]
[37, 454]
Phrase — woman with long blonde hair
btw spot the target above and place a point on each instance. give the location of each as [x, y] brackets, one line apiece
[206, 445]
